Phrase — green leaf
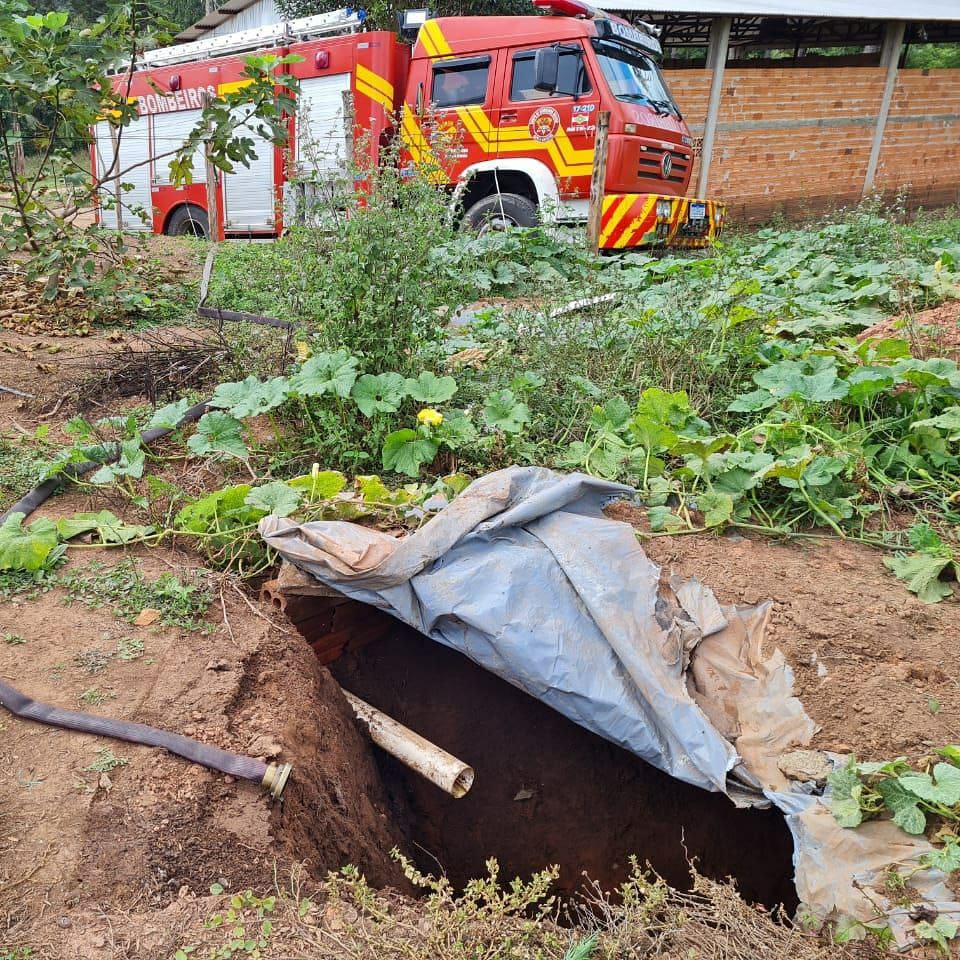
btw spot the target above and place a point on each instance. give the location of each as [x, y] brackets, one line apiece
[130, 463]
[663, 407]
[946, 858]
[219, 433]
[939, 932]
[276, 498]
[382, 393]
[252, 396]
[109, 528]
[948, 422]
[920, 572]
[952, 753]
[943, 787]
[26, 548]
[218, 511]
[429, 388]
[904, 805]
[616, 412]
[752, 402]
[662, 518]
[652, 435]
[322, 485]
[405, 451]
[326, 373]
[456, 430]
[583, 949]
[503, 411]
[846, 791]
[166, 418]
[717, 508]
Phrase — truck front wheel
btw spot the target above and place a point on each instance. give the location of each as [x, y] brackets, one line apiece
[188, 221]
[500, 211]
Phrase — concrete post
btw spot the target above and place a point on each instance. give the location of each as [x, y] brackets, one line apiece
[889, 58]
[716, 61]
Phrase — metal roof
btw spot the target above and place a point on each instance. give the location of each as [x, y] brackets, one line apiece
[221, 15]
[916, 10]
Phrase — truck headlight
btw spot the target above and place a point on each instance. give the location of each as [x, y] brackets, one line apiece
[664, 209]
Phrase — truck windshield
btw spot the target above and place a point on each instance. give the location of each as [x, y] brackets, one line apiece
[633, 77]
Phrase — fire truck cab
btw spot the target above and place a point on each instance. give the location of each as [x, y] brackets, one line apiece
[506, 108]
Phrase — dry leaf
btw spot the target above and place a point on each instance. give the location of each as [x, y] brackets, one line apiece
[148, 616]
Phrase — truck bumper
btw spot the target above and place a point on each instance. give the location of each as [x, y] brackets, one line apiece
[647, 219]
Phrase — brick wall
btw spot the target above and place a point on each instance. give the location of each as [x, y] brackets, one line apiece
[798, 139]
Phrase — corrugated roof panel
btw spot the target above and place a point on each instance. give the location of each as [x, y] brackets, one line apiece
[916, 10]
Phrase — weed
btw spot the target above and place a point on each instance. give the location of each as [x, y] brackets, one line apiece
[28, 584]
[106, 761]
[94, 697]
[13, 639]
[181, 604]
[129, 648]
[93, 661]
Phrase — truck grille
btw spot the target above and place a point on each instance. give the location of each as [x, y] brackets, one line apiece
[651, 160]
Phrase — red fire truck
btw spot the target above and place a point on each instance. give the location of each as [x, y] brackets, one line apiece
[522, 93]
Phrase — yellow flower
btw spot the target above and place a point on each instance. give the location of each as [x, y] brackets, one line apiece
[303, 350]
[431, 417]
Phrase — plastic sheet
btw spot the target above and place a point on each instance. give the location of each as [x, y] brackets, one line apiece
[523, 574]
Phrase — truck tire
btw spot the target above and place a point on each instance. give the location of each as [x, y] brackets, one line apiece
[500, 211]
[188, 221]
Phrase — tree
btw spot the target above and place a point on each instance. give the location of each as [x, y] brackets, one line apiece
[56, 83]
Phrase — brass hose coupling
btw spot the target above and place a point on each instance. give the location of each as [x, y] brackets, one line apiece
[275, 779]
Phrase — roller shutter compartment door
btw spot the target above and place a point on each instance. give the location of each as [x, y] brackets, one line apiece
[249, 196]
[321, 134]
[134, 154]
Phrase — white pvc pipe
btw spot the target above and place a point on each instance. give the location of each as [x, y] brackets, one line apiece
[419, 754]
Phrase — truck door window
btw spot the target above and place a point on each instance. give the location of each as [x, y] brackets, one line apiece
[460, 83]
[571, 64]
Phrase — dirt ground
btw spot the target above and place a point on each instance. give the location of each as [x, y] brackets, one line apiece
[77, 845]
[118, 865]
[876, 668]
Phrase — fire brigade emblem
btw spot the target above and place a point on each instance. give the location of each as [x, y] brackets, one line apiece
[544, 124]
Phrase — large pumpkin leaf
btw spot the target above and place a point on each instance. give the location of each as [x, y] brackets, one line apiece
[406, 451]
[219, 433]
[326, 373]
[382, 393]
[26, 548]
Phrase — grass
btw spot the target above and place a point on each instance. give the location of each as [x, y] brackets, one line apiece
[345, 917]
[106, 761]
[122, 587]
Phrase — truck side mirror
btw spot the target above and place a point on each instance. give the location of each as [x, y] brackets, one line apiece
[546, 69]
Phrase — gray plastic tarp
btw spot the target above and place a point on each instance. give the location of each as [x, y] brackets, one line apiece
[524, 574]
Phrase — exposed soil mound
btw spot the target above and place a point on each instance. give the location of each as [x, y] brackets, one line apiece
[936, 332]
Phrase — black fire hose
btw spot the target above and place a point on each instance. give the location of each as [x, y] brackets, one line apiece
[31, 500]
[271, 776]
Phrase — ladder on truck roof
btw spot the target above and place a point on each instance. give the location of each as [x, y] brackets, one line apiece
[347, 20]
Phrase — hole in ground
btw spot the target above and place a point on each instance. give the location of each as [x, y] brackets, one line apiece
[546, 790]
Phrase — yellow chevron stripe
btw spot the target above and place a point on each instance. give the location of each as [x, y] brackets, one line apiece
[623, 205]
[627, 237]
[375, 95]
[233, 86]
[568, 160]
[371, 79]
[433, 40]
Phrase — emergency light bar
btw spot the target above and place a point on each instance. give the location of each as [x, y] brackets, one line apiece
[567, 8]
[347, 20]
[642, 35]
